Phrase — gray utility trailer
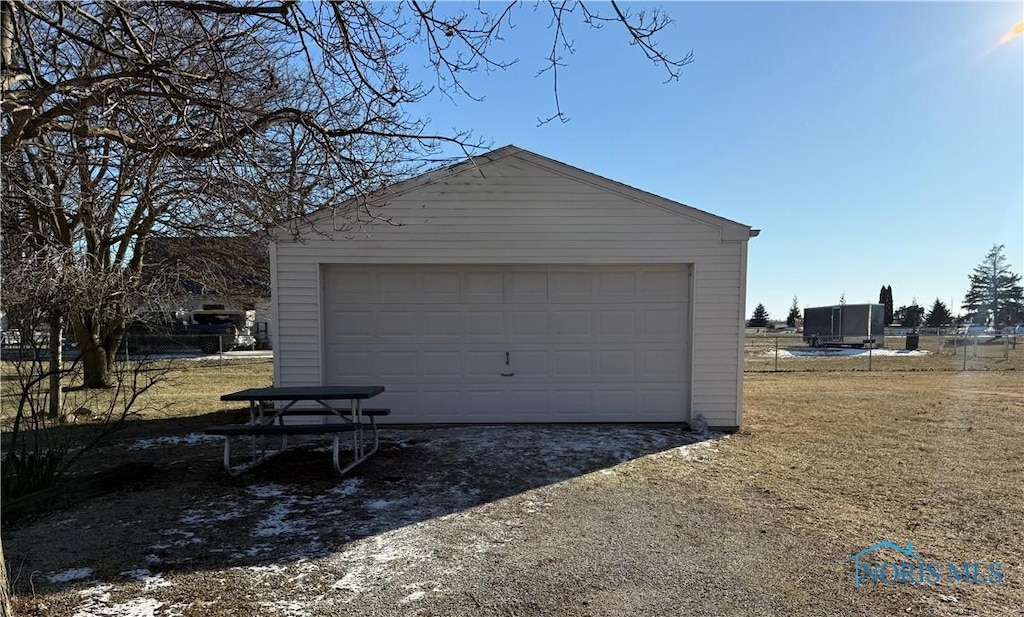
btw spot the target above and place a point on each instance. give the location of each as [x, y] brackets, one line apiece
[854, 325]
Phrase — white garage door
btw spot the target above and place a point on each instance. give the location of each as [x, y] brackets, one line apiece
[512, 343]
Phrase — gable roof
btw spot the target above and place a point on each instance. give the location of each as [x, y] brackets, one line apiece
[731, 230]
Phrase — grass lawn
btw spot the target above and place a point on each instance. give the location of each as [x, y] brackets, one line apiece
[829, 461]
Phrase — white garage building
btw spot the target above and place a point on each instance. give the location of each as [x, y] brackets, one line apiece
[515, 288]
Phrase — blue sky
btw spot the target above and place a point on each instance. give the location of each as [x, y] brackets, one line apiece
[873, 143]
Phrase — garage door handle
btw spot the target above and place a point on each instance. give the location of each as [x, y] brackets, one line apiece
[507, 364]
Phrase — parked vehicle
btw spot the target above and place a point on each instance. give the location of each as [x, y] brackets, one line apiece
[853, 325]
[208, 331]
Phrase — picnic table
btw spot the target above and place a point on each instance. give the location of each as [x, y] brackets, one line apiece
[268, 408]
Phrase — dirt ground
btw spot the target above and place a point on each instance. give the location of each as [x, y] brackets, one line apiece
[591, 520]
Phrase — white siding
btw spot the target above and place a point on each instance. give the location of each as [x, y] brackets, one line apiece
[516, 210]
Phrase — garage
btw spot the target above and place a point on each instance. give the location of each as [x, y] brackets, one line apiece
[516, 288]
[543, 343]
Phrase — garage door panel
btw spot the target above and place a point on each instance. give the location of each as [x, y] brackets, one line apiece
[661, 363]
[403, 324]
[398, 364]
[529, 363]
[617, 363]
[526, 287]
[440, 400]
[663, 323]
[571, 323]
[484, 363]
[487, 325]
[354, 364]
[443, 364]
[615, 402]
[670, 284]
[486, 287]
[657, 401]
[443, 287]
[576, 402]
[353, 325]
[442, 324]
[396, 285]
[584, 343]
[527, 324]
[530, 404]
[571, 287]
[616, 323]
[352, 283]
[573, 363]
[616, 285]
[484, 399]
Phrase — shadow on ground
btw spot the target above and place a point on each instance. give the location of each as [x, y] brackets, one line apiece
[190, 517]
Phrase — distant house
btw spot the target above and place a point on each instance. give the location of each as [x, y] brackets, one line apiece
[215, 274]
[516, 288]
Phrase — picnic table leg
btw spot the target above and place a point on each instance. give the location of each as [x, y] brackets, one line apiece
[255, 461]
[252, 420]
[357, 435]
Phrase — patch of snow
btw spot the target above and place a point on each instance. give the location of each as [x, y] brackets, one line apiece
[187, 538]
[699, 450]
[72, 574]
[265, 491]
[412, 597]
[289, 608]
[812, 352]
[233, 355]
[374, 561]
[196, 516]
[137, 607]
[277, 522]
[252, 551]
[377, 504]
[147, 578]
[191, 439]
[346, 488]
[947, 599]
[101, 592]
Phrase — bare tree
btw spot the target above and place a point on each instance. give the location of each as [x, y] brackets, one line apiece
[40, 447]
[125, 121]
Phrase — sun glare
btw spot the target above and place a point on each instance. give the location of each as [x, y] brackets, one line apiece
[1012, 34]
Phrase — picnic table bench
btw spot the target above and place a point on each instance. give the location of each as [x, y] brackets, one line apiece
[262, 418]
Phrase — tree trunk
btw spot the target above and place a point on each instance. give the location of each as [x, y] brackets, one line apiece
[5, 587]
[56, 364]
[97, 348]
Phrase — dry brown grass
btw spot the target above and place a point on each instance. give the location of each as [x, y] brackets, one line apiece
[934, 458]
[188, 388]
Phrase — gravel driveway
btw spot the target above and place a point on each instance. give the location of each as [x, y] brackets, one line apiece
[458, 521]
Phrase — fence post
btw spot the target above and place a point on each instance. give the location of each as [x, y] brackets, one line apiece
[965, 352]
[871, 349]
[776, 353]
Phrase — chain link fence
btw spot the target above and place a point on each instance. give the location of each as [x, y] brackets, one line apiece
[925, 350]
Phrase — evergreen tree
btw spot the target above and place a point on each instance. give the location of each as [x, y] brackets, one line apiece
[760, 317]
[794, 314]
[995, 295]
[939, 315]
[885, 298]
[909, 316]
